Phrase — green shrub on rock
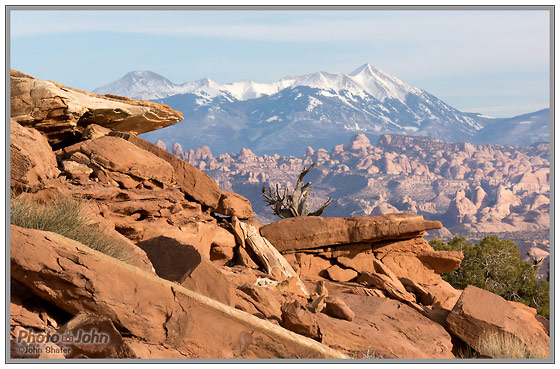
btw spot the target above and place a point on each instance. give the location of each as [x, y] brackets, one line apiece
[496, 266]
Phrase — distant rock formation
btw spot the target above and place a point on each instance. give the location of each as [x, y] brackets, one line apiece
[472, 190]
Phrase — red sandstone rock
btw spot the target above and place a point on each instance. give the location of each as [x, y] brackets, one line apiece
[56, 109]
[339, 274]
[298, 319]
[32, 161]
[192, 181]
[479, 312]
[302, 233]
[144, 306]
[115, 155]
[232, 204]
[337, 308]
[385, 328]
[93, 336]
[182, 263]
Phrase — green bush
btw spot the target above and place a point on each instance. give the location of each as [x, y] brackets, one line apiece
[496, 266]
[66, 216]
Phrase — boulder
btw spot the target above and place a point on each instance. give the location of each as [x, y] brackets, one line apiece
[73, 169]
[298, 319]
[93, 336]
[184, 264]
[32, 161]
[339, 274]
[301, 233]
[232, 204]
[193, 182]
[144, 306]
[416, 261]
[62, 113]
[441, 261]
[384, 328]
[480, 313]
[337, 308]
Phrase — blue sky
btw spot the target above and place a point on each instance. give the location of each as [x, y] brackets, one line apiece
[491, 62]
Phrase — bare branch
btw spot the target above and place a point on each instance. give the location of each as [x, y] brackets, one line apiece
[286, 204]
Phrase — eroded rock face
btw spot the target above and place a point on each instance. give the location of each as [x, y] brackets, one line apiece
[32, 161]
[62, 113]
[302, 233]
[163, 312]
[479, 312]
[192, 181]
[115, 159]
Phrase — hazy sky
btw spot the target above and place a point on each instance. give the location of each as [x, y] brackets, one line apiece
[491, 62]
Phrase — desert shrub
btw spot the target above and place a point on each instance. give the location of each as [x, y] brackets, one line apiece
[496, 266]
[66, 216]
[502, 346]
[466, 353]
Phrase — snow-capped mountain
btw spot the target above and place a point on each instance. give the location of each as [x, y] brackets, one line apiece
[148, 85]
[143, 85]
[318, 110]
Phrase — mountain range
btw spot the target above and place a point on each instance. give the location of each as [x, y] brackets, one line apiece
[318, 110]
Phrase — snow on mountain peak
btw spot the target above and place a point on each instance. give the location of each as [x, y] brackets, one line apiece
[382, 85]
[139, 84]
[366, 78]
[361, 68]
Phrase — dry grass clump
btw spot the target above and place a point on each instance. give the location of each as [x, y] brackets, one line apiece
[66, 216]
[502, 346]
[366, 354]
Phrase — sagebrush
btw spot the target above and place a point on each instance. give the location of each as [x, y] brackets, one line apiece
[502, 346]
[66, 216]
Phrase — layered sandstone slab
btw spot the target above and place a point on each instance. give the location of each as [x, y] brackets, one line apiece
[301, 233]
[62, 113]
[479, 313]
[145, 306]
[122, 162]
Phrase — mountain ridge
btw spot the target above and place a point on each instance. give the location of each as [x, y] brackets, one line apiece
[316, 109]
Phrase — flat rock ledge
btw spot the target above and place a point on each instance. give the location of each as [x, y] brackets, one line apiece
[302, 233]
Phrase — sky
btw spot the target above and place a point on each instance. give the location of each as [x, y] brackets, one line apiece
[491, 62]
